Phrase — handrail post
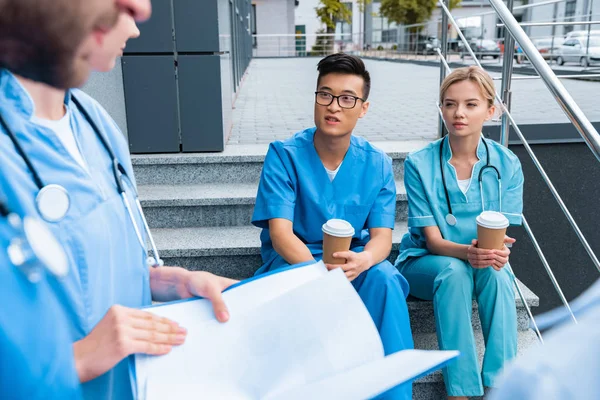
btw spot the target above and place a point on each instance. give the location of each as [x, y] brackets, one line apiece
[564, 99]
[507, 70]
[444, 51]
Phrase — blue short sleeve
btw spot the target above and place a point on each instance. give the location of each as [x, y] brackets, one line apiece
[419, 209]
[276, 196]
[383, 212]
[512, 200]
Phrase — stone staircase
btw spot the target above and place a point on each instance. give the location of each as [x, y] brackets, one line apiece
[199, 208]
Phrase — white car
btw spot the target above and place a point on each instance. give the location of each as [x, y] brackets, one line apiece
[577, 50]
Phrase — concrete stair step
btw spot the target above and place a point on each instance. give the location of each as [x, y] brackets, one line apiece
[235, 252]
[431, 387]
[237, 164]
[214, 204]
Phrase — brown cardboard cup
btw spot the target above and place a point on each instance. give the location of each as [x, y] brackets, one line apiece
[337, 236]
[491, 230]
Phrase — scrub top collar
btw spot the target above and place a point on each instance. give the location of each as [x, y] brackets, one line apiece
[14, 95]
[448, 150]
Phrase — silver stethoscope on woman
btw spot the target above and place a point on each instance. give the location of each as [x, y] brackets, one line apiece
[450, 218]
[53, 201]
[33, 247]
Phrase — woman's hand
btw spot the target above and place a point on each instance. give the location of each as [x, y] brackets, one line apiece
[483, 258]
[356, 263]
[121, 332]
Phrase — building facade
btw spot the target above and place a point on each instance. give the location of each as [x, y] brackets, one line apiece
[174, 88]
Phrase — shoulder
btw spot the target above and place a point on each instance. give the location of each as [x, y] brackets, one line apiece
[425, 154]
[295, 144]
[507, 159]
[369, 151]
[504, 152]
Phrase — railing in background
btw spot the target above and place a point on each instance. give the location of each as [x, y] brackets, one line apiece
[563, 98]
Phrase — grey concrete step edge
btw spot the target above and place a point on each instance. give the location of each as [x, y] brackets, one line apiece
[256, 154]
[428, 341]
[227, 242]
[209, 194]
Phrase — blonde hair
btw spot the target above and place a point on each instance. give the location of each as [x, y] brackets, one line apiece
[475, 75]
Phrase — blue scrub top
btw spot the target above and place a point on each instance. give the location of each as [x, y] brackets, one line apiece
[566, 366]
[294, 185]
[427, 202]
[107, 263]
[36, 348]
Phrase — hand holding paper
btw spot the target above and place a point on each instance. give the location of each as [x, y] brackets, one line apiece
[288, 335]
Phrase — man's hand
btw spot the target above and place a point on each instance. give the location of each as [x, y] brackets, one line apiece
[121, 332]
[174, 283]
[207, 285]
[356, 263]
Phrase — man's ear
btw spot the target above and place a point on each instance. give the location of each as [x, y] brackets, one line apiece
[365, 108]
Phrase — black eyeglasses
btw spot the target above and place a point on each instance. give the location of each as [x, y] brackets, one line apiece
[346, 101]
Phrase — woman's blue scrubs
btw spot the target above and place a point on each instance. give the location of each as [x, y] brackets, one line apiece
[451, 282]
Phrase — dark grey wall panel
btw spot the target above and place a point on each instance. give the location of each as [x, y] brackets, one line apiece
[197, 26]
[151, 101]
[575, 173]
[200, 100]
[156, 33]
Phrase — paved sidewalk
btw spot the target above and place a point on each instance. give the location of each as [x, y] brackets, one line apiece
[277, 97]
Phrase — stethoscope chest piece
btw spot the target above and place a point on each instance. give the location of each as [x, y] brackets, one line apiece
[53, 202]
[451, 220]
[45, 246]
[36, 246]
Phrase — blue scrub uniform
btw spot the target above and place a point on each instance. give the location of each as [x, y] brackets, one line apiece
[566, 366]
[295, 186]
[36, 349]
[450, 282]
[107, 262]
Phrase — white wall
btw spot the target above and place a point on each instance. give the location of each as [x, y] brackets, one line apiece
[274, 17]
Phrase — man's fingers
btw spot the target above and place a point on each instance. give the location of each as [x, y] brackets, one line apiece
[219, 306]
[154, 349]
[144, 320]
[226, 282]
[344, 254]
[332, 266]
[156, 337]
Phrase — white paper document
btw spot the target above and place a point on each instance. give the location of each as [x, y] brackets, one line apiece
[302, 333]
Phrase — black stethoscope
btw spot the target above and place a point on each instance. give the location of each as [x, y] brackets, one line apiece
[450, 218]
[33, 247]
[53, 201]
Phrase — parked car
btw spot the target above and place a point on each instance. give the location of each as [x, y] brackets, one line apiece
[549, 47]
[427, 45]
[576, 50]
[481, 47]
[580, 33]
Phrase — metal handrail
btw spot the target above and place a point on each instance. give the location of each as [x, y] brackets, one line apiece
[559, 23]
[583, 125]
[570, 107]
[564, 99]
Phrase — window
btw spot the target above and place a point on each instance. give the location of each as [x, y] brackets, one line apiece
[570, 8]
[343, 29]
[253, 25]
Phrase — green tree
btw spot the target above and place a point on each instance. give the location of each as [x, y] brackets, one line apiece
[410, 12]
[331, 11]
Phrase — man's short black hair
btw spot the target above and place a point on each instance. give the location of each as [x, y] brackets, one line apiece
[341, 63]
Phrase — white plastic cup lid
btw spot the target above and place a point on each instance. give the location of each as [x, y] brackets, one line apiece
[492, 220]
[338, 228]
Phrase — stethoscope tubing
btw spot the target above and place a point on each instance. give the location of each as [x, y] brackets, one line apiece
[119, 174]
[480, 179]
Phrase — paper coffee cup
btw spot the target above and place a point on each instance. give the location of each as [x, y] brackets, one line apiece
[337, 236]
[491, 229]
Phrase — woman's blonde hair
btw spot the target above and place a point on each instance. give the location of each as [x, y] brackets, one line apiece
[475, 75]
